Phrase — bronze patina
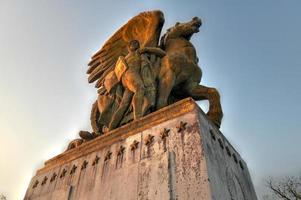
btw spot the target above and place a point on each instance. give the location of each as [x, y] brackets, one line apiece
[137, 72]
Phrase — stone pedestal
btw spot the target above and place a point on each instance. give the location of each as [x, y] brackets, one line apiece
[174, 153]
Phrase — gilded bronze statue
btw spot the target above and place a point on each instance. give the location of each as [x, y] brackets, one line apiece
[136, 74]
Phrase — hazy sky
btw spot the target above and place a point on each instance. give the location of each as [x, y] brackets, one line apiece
[249, 50]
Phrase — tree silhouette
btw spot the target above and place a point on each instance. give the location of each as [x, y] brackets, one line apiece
[288, 188]
[2, 197]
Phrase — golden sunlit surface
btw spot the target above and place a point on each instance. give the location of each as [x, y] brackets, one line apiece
[248, 50]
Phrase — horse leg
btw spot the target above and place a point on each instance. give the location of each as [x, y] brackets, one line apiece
[149, 101]
[166, 83]
[200, 92]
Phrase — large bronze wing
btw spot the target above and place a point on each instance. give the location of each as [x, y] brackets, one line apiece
[145, 27]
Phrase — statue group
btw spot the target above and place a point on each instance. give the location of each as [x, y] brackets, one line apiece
[137, 72]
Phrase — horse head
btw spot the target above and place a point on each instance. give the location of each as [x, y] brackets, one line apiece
[182, 30]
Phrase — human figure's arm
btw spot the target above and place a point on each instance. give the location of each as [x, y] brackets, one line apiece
[153, 50]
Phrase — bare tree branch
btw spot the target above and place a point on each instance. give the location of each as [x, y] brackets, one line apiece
[2, 197]
[278, 191]
[288, 188]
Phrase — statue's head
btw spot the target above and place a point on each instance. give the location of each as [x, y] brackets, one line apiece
[133, 45]
[186, 29]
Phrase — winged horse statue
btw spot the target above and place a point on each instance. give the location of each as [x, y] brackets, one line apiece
[137, 72]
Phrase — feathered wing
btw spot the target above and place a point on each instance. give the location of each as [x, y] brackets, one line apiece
[145, 27]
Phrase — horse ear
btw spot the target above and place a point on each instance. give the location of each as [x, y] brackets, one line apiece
[195, 18]
[177, 24]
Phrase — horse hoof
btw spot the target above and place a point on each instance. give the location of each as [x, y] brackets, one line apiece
[87, 135]
[216, 118]
[74, 144]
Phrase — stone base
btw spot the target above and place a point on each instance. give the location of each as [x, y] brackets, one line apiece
[174, 153]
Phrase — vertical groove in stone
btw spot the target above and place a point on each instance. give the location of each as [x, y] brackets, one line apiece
[172, 175]
[70, 190]
[140, 155]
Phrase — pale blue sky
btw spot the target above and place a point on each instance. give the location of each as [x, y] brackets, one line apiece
[249, 50]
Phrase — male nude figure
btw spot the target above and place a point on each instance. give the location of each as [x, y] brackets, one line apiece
[128, 70]
[136, 74]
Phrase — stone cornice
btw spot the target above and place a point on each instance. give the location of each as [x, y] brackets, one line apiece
[177, 109]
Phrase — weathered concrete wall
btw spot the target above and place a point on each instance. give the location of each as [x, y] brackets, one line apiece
[173, 153]
[228, 173]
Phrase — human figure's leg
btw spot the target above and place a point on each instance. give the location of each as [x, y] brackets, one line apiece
[133, 82]
[124, 104]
